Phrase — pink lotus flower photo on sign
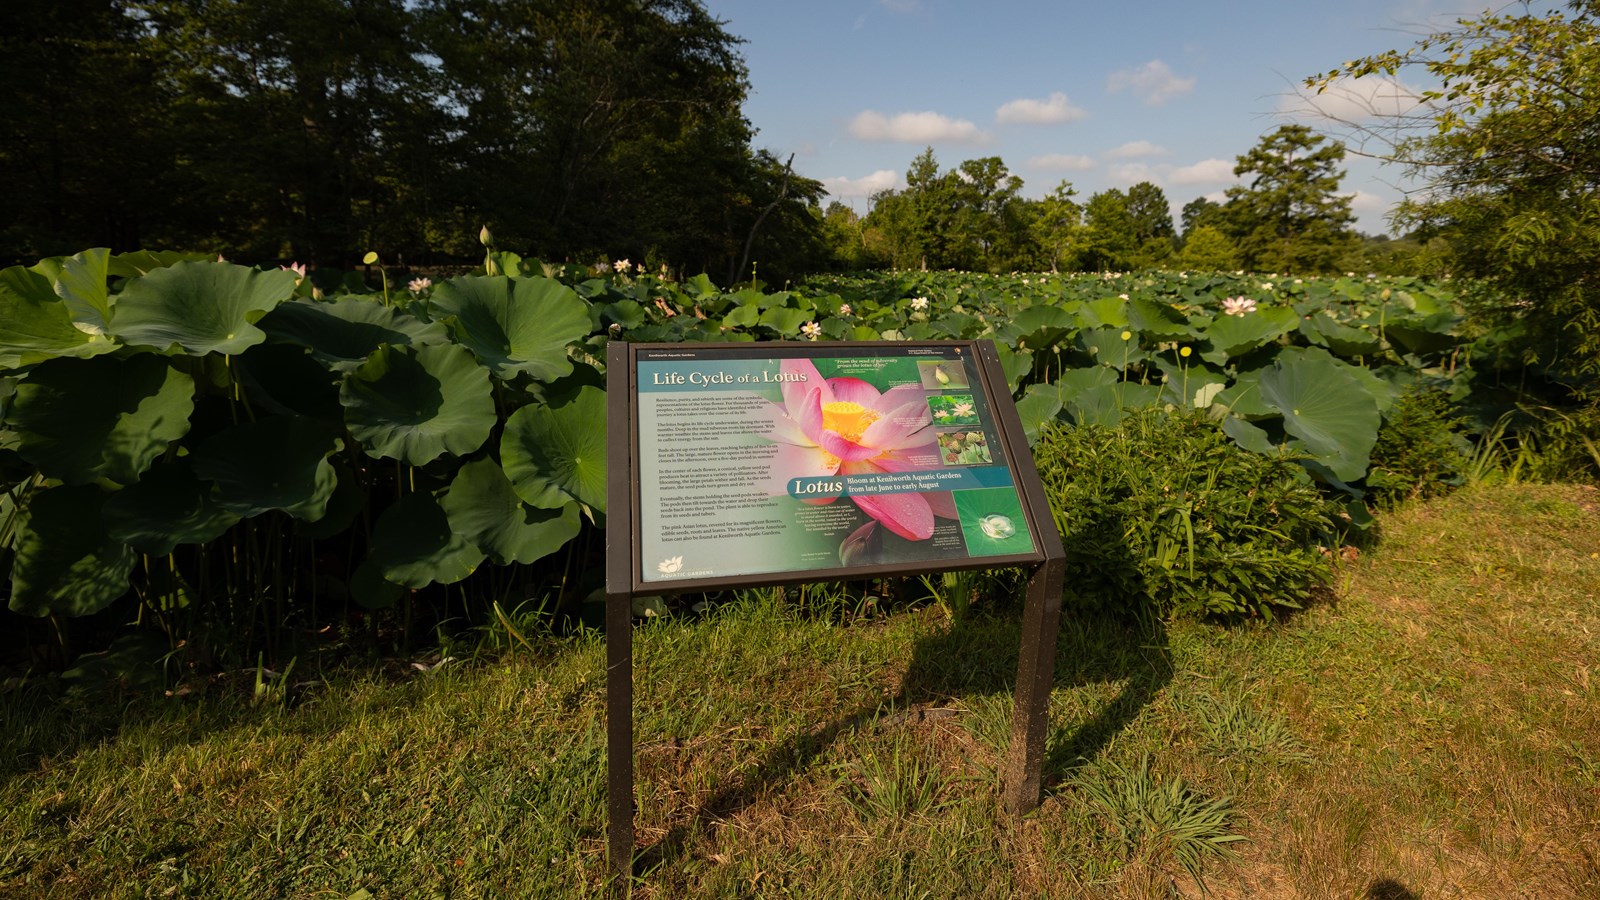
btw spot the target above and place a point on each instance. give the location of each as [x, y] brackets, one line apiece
[847, 426]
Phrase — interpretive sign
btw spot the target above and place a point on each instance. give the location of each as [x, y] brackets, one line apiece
[767, 459]
[742, 465]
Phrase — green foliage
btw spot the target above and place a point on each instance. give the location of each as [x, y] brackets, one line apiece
[368, 450]
[218, 428]
[1421, 450]
[1208, 250]
[1507, 144]
[1164, 515]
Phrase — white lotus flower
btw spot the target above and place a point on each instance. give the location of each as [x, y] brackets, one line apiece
[669, 565]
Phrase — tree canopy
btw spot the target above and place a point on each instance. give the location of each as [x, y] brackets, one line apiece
[1288, 215]
[1507, 144]
[317, 129]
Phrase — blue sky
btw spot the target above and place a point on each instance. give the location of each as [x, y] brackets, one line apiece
[1103, 94]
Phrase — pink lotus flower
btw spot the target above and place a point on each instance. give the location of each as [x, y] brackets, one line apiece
[1238, 306]
[845, 426]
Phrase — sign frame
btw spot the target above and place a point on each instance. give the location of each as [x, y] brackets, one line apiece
[624, 571]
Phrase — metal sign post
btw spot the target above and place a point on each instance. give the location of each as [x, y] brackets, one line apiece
[751, 465]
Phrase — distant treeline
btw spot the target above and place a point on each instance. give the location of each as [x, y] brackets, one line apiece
[316, 130]
[1287, 215]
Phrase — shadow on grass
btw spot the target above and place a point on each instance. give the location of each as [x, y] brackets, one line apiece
[975, 658]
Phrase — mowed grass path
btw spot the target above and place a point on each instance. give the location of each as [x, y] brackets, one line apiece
[1431, 731]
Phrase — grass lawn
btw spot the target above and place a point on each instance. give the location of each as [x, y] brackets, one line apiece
[1431, 731]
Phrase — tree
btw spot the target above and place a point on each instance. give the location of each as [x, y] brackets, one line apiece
[1208, 250]
[1289, 217]
[1200, 211]
[318, 129]
[1508, 145]
[969, 217]
[1057, 226]
[1152, 214]
[1110, 242]
[84, 155]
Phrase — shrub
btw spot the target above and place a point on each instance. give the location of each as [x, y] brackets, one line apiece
[1165, 514]
[1421, 451]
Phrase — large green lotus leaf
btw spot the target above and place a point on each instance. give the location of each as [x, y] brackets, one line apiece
[482, 505]
[344, 507]
[514, 325]
[1015, 364]
[1108, 347]
[1107, 405]
[284, 379]
[414, 546]
[956, 325]
[1039, 406]
[202, 307]
[36, 325]
[342, 333]
[1249, 435]
[1041, 326]
[1073, 382]
[65, 562]
[561, 446]
[1104, 312]
[167, 507]
[1232, 336]
[82, 419]
[784, 320]
[1158, 320]
[143, 262]
[1383, 393]
[1333, 417]
[82, 286]
[279, 462]
[742, 317]
[1433, 334]
[1323, 330]
[418, 403]
[1194, 385]
[1243, 397]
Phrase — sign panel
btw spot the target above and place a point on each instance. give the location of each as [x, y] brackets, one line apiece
[819, 461]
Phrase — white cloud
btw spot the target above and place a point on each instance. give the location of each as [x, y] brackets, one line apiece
[915, 128]
[1053, 110]
[1154, 82]
[1135, 150]
[1351, 100]
[1206, 171]
[1061, 161]
[1363, 202]
[866, 186]
[1133, 173]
